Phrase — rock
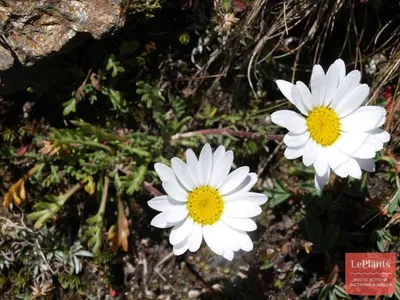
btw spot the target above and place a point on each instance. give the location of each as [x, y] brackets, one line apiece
[32, 30]
[194, 294]
[6, 59]
[36, 29]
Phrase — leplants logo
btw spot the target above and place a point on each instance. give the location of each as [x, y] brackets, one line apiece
[370, 274]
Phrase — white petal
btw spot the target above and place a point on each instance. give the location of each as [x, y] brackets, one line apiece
[300, 104]
[364, 119]
[293, 153]
[221, 169]
[175, 214]
[182, 172]
[365, 151]
[353, 100]
[359, 145]
[175, 190]
[332, 82]
[159, 203]
[380, 135]
[228, 254]
[205, 164]
[180, 248]
[181, 231]
[354, 168]
[234, 180]
[219, 154]
[366, 164]
[241, 209]
[336, 157]
[349, 143]
[342, 69]
[286, 89]
[212, 240]
[240, 224]
[321, 162]
[337, 161]
[164, 172]
[296, 140]
[350, 82]
[193, 166]
[310, 153]
[320, 181]
[159, 221]
[218, 157]
[318, 85]
[342, 171]
[162, 203]
[254, 198]
[226, 236]
[245, 242]
[245, 185]
[291, 120]
[305, 95]
[374, 143]
[195, 237]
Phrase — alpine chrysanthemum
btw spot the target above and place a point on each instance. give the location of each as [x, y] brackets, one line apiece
[205, 200]
[335, 132]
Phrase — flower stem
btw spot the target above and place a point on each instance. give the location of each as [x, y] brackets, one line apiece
[106, 183]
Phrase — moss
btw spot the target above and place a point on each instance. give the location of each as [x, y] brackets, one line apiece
[146, 7]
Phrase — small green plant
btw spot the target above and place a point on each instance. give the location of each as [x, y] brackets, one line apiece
[70, 258]
[333, 292]
[278, 194]
[45, 211]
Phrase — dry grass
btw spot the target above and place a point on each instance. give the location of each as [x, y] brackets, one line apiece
[268, 29]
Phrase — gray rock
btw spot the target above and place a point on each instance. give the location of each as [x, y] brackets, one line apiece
[31, 30]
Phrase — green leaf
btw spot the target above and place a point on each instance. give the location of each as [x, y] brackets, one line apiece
[324, 292]
[84, 253]
[340, 292]
[226, 5]
[69, 107]
[315, 234]
[277, 195]
[127, 49]
[332, 295]
[330, 236]
[394, 203]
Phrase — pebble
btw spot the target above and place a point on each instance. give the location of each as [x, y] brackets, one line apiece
[193, 294]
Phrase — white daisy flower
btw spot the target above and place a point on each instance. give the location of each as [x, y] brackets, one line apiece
[205, 200]
[333, 132]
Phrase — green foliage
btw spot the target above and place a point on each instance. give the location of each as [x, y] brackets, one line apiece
[226, 5]
[94, 232]
[133, 182]
[334, 292]
[70, 258]
[150, 95]
[393, 205]
[8, 135]
[70, 282]
[45, 211]
[184, 38]
[322, 239]
[114, 66]
[102, 84]
[146, 7]
[316, 206]
[277, 195]
[382, 238]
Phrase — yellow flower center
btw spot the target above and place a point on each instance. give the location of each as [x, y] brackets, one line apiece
[324, 126]
[205, 205]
